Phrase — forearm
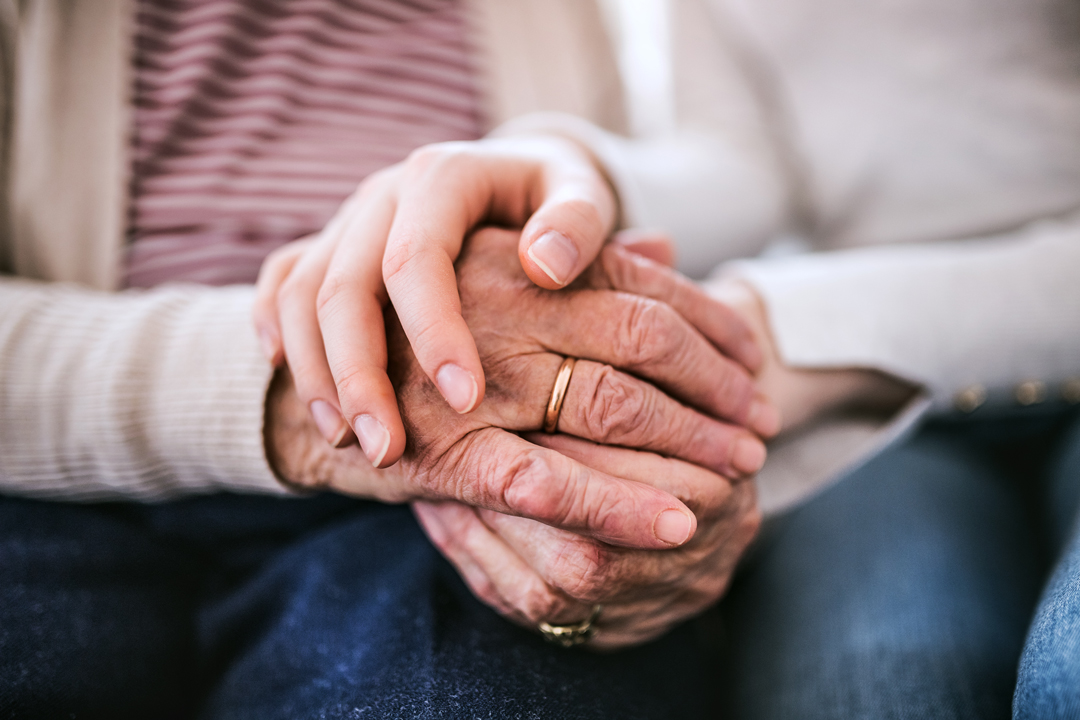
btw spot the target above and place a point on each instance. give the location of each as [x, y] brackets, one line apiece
[139, 395]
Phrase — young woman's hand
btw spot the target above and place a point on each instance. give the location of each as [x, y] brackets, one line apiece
[320, 303]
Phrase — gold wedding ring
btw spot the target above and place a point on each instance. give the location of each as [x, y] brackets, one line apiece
[558, 394]
[570, 635]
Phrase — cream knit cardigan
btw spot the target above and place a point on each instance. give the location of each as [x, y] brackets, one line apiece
[938, 138]
[154, 394]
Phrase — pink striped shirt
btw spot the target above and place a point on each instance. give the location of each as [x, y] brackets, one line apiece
[254, 119]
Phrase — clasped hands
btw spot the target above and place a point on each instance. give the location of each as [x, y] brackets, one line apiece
[640, 501]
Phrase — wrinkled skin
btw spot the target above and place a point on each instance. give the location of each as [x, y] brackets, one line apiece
[531, 572]
[543, 529]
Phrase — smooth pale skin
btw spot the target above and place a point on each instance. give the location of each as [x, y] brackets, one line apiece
[680, 384]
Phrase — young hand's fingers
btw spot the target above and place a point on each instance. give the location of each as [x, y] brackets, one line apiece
[303, 344]
[264, 311]
[444, 196]
[500, 471]
[495, 573]
[565, 233]
[350, 305]
[418, 269]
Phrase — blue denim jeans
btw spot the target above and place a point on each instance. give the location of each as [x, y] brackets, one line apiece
[246, 607]
[916, 588]
[942, 580]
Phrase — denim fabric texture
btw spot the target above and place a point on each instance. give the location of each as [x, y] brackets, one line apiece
[930, 583]
[243, 607]
[908, 590]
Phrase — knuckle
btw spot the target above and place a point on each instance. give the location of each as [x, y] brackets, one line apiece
[557, 494]
[406, 252]
[565, 495]
[538, 602]
[585, 215]
[374, 181]
[330, 293]
[436, 157]
[292, 290]
[427, 334]
[531, 488]
[398, 257]
[352, 381]
[485, 590]
[620, 269]
[277, 257]
[617, 408]
[578, 569]
[648, 331]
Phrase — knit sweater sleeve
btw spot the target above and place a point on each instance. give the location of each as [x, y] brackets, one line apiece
[144, 395]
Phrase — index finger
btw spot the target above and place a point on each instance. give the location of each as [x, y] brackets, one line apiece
[500, 471]
[565, 234]
[630, 272]
[446, 194]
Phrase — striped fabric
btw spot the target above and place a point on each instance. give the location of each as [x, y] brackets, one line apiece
[254, 119]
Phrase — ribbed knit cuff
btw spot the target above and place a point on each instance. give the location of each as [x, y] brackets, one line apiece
[208, 414]
[143, 395]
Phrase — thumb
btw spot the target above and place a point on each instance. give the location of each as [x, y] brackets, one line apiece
[568, 230]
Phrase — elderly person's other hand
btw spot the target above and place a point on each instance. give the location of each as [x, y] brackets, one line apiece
[522, 333]
[803, 394]
[396, 239]
[532, 573]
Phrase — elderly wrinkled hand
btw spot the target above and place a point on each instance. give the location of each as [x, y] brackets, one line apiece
[533, 573]
[320, 303]
[647, 379]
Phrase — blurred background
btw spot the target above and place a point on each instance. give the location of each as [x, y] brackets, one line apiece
[639, 29]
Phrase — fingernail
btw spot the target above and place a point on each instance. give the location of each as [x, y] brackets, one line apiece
[764, 418]
[672, 527]
[555, 255]
[374, 438]
[457, 386]
[749, 456]
[329, 421]
[269, 347]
